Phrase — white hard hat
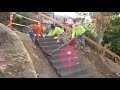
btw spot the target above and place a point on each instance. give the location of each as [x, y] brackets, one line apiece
[76, 25]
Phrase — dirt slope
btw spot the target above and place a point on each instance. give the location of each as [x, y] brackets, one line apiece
[100, 66]
[42, 67]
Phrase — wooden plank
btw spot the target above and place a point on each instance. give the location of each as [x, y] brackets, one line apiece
[103, 52]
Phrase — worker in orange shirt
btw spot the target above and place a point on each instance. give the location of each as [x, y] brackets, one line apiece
[38, 30]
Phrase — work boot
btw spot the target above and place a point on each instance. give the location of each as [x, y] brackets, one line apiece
[78, 47]
[58, 40]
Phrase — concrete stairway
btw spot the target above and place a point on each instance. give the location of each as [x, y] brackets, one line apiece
[68, 66]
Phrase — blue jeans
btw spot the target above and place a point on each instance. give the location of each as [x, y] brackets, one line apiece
[80, 37]
[32, 36]
[79, 40]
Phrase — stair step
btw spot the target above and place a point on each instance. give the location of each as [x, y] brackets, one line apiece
[66, 53]
[53, 47]
[49, 43]
[47, 39]
[50, 49]
[55, 53]
[59, 60]
[81, 74]
[63, 66]
[59, 56]
[62, 63]
[71, 71]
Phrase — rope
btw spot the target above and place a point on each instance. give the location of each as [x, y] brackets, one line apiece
[26, 17]
[19, 24]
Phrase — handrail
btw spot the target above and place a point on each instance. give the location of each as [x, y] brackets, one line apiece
[103, 48]
[20, 24]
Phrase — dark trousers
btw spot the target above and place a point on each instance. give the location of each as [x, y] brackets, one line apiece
[32, 36]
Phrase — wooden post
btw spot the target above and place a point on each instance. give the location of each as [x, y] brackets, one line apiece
[11, 18]
[103, 52]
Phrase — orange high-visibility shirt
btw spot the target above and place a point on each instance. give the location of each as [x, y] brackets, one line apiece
[37, 29]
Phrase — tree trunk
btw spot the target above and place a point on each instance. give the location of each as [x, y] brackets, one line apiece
[102, 20]
[100, 36]
[100, 39]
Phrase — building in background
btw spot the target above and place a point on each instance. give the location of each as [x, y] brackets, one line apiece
[64, 19]
[45, 22]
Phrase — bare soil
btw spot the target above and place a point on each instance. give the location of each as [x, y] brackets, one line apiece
[15, 62]
[40, 62]
[100, 66]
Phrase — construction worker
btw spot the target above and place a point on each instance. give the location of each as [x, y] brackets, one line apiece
[44, 29]
[31, 33]
[59, 32]
[79, 31]
[69, 29]
[38, 30]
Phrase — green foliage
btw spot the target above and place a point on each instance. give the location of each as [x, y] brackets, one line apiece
[4, 17]
[111, 37]
[114, 13]
[91, 33]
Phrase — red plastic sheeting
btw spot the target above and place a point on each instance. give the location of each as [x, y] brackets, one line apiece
[72, 55]
[72, 42]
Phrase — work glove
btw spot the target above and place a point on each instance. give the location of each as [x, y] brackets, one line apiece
[43, 36]
[58, 40]
[55, 37]
[72, 41]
